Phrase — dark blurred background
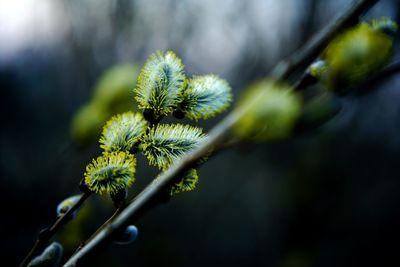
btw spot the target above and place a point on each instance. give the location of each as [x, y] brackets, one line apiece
[325, 198]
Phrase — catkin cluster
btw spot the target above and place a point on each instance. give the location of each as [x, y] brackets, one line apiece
[162, 89]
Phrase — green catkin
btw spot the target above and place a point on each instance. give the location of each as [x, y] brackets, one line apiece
[161, 88]
[357, 54]
[271, 111]
[160, 83]
[187, 183]
[167, 143]
[111, 172]
[205, 97]
[123, 131]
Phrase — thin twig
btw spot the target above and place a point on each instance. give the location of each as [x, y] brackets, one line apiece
[301, 59]
[47, 234]
[230, 143]
[116, 212]
[368, 86]
[298, 61]
[388, 71]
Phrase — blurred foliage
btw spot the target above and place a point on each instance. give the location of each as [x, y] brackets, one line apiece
[127, 236]
[112, 95]
[271, 111]
[357, 54]
[317, 111]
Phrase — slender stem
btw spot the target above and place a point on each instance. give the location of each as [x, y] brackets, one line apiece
[297, 62]
[307, 80]
[230, 143]
[116, 212]
[47, 234]
[302, 58]
[389, 70]
[367, 86]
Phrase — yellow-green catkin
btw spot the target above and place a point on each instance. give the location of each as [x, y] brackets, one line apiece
[187, 183]
[318, 69]
[357, 54]
[205, 96]
[111, 172]
[87, 122]
[65, 205]
[112, 94]
[114, 88]
[270, 110]
[160, 83]
[123, 131]
[165, 144]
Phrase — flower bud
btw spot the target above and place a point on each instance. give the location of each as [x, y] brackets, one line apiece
[271, 110]
[165, 144]
[67, 204]
[111, 172]
[160, 83]
[127, 236]
[87, 122]
[205, 97]
[357, 54]
[122, 132]
[385, 25]
[187, 183]
[51, 256]
[318, 69]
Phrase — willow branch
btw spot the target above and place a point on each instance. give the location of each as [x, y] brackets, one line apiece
[368, 86]
[48, 233]
[297, 62]
[303, 57]
[117, 211]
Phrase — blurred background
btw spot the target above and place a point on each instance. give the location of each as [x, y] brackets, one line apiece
[326, 198]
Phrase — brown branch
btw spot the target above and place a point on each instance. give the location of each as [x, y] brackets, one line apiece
[297, 62]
